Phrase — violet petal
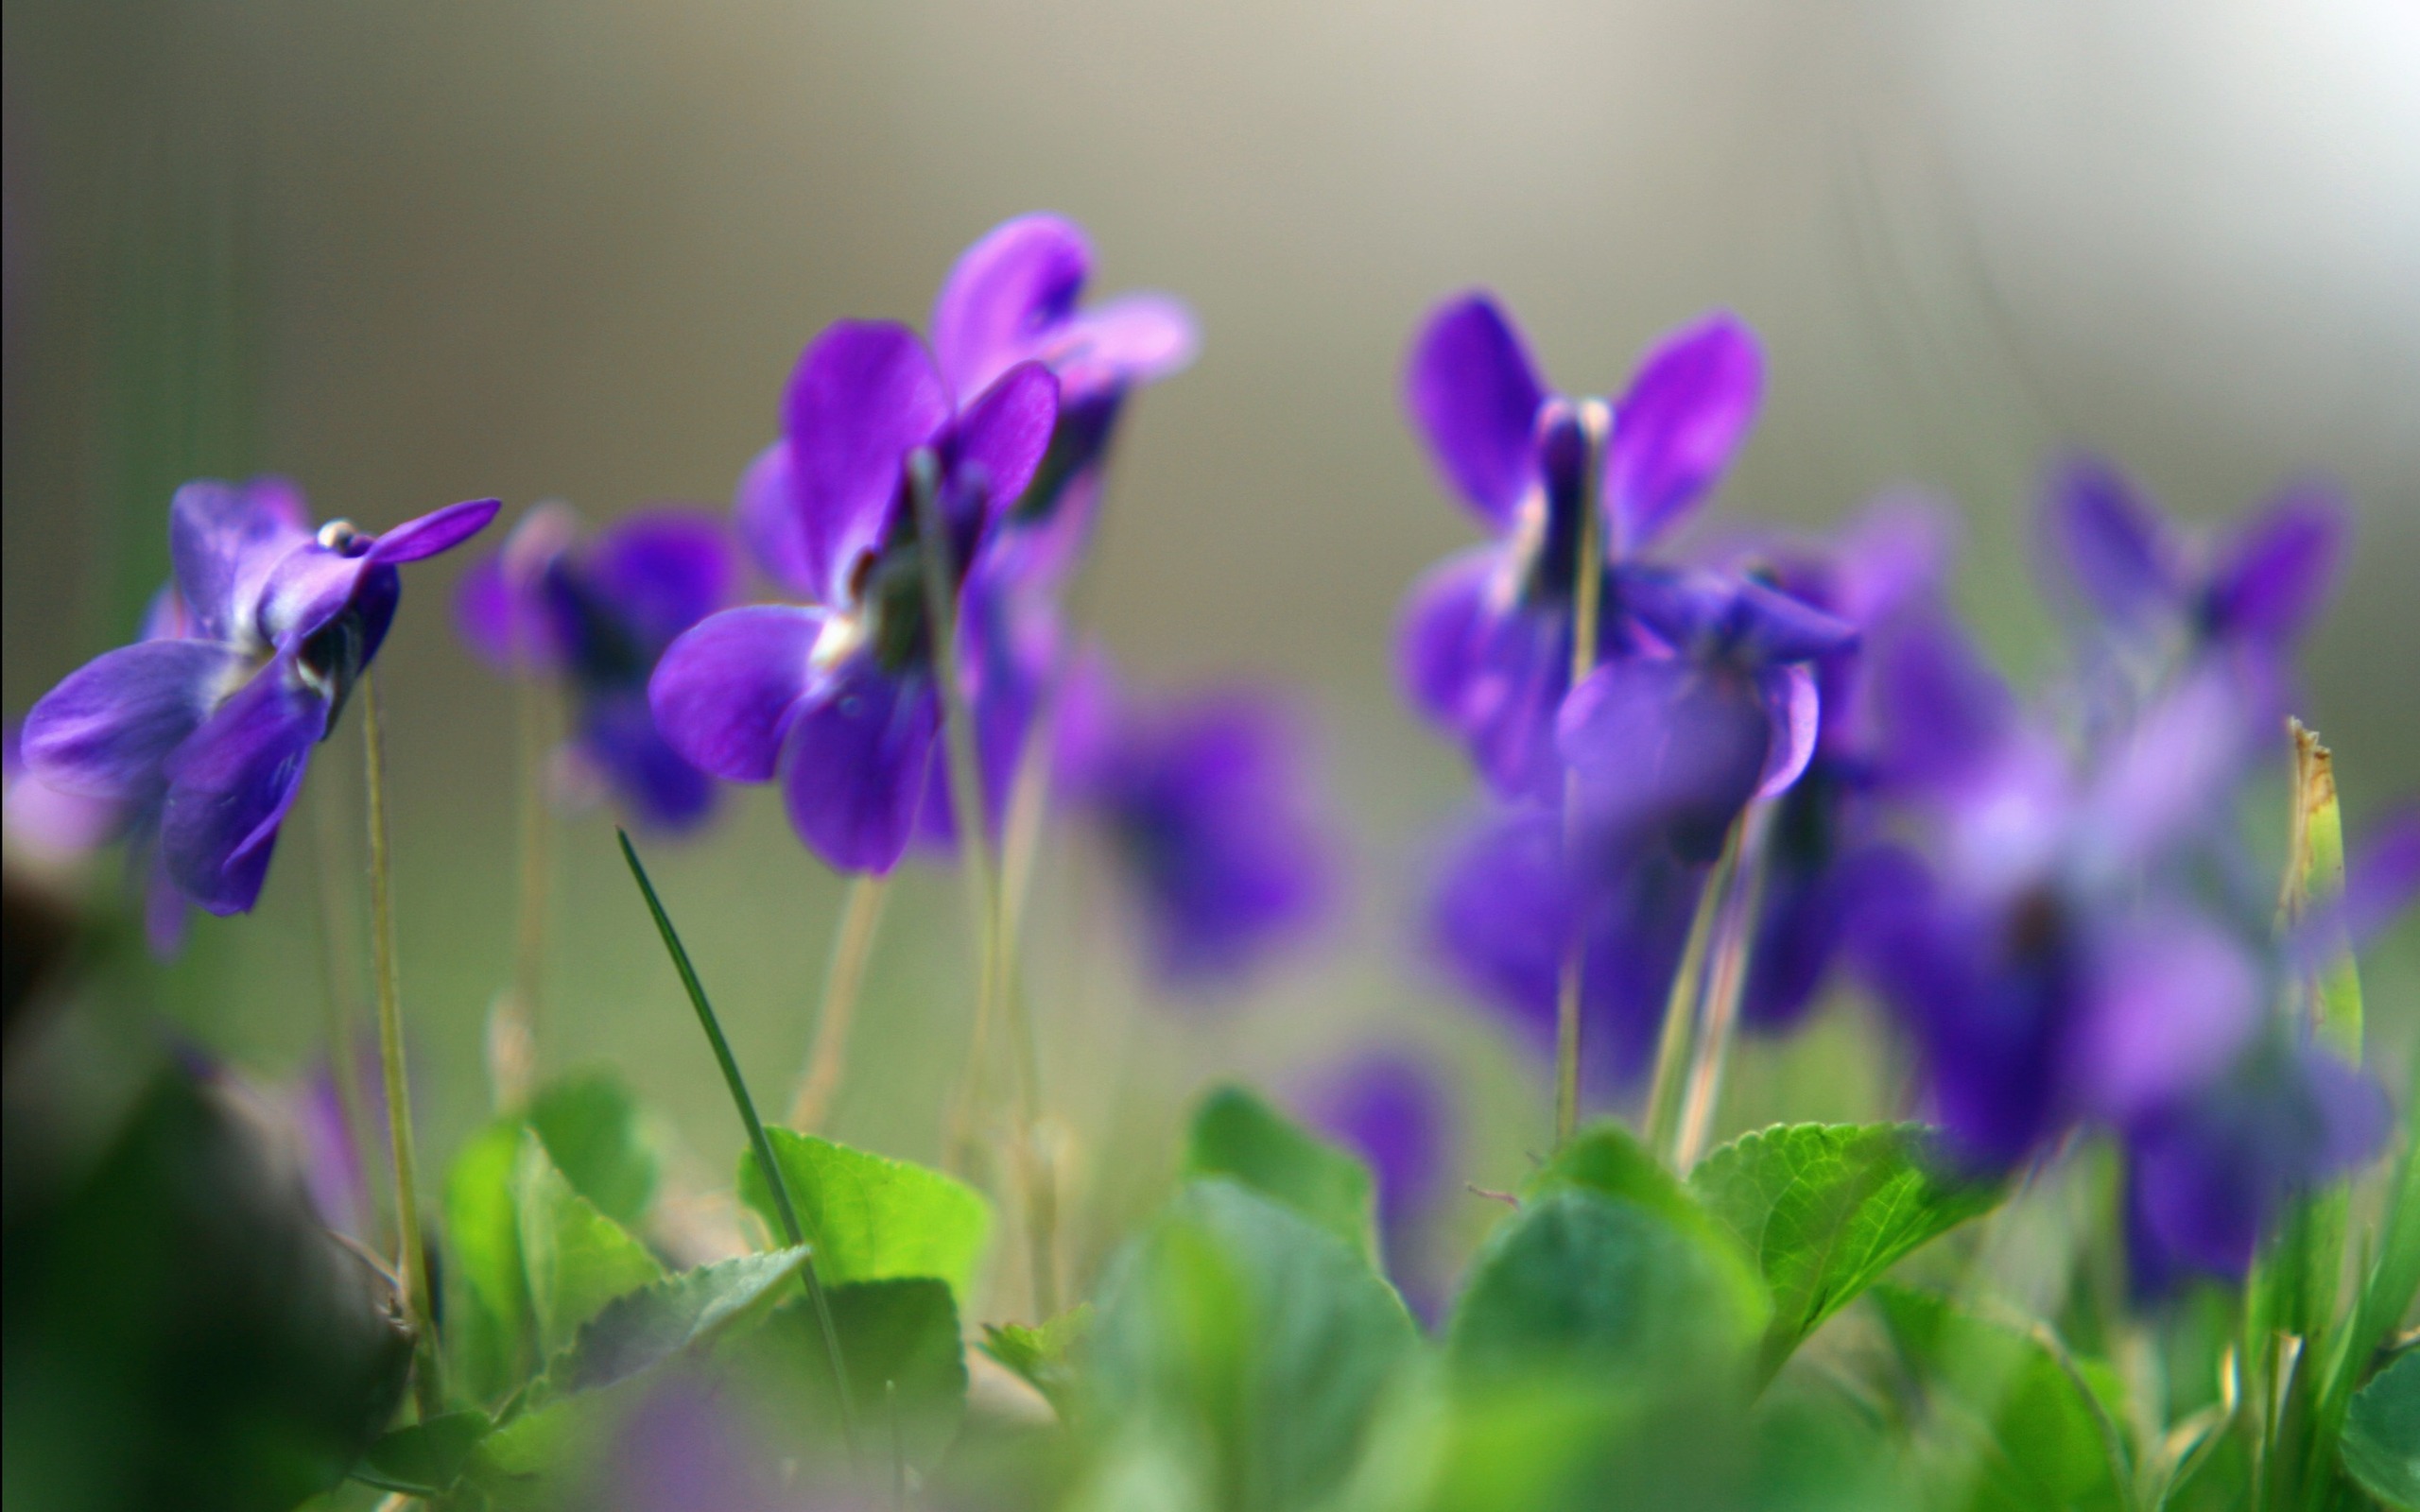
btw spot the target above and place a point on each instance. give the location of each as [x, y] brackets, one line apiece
[1676, 429]
[725, 691]
[1475, 395]
[231, 784]
[107, 731]
[856, 763]
[1007, 292]
[863, 396]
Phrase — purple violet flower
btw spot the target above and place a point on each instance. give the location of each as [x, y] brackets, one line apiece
[1485, 647]
[1393, 1109]
[54, 826]
[1209, 806]
[211, 730]
[597, 615]
[1012, 296]
[837, 696]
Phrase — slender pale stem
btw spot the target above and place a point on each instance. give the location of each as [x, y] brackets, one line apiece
[860, 919]
[758, 1143]
[339, 982]
[512, 1037]
[411, 1261]
[1733, 941]
[994, 991]
[1587, 583]
[1681, 1005]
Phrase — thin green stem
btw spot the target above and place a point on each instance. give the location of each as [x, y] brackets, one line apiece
[996, 990]
[412, 1260]
[340, 983]
[1733, 940]
[759, 1145]
[1681, 1005]
[827, 1062]
[1587, 587]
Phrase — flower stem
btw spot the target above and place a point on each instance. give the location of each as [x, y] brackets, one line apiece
[412, 1260]
[860, 919]
[338, 968]
[995, 960]
[1680, 1006]
[513, 1028]
[1733, 940]
[1587, 584]
[759, 1145]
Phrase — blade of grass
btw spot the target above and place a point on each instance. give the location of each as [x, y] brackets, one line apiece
[758, 1143]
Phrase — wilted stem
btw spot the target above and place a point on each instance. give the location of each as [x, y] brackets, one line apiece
[1587, 584]
[994, 955]
[1733, 940]
[411, 1261]
[860, 919]
[1681, 1005]
[759, 1145]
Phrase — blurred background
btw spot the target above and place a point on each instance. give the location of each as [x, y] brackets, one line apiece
[409, 254]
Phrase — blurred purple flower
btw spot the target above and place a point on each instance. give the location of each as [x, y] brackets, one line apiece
[1013, 298]
[1485, 645]
[837, 696]
[1210, 807]
[211, 729]
[45, 821]
[1396, 1112]
[596, 617]
[1509, 897]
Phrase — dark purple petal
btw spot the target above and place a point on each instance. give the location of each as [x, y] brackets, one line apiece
[1664, 749]
[2176, 1000]
[617, 737]
[107, 731]
[1942, 716]
[439, 530]
[1007, 293]
[660, 572]
[1804, 916]
[1676, 429]
[230, 785]
[856, 762]
[725, 692]
[864, 395]
[224, 539]
[2273, 577]
[2111, 542]
[1475, 395]
[166, 913]
[1135, 338]
[1002, 436]
[1392, 1109]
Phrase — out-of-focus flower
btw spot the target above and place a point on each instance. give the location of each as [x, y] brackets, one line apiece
[1485, 647]
[211, 730]
[51, 825]
[1013, 298]
[1394, 1110]
[1209, 805]
[838, 696]
[1509, 899]
[597, 615]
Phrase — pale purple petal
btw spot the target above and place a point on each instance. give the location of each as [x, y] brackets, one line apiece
[1676, 429]
[437, 532]
[1007, 293]
[2111, 540]
[1664, 749]
[2177, 1000]
[224, 539]
[724, 693]
[107, 731]
[1475, 395]
[2275, 574]
[1004, 433]
[864, 395]
[766, 511]
[856, 763]
[1795, 709]
[1442, 624]
[47, 819]
[231, 784]
[2173, 770]
[1135, 338]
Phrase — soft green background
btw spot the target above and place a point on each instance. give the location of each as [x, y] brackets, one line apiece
[416, 253]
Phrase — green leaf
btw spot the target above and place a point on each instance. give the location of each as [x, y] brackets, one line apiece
[1236, 1323]
[1043, 1353]
[1236, 1135]
[2381, 1444]
[868, 1218]
[905, 1359]
[1585, 1284]
[576, 1259]
[489, 1329]
[2007, 1424]
[1827, 1209]
[603, 1142]
[427, 1458]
